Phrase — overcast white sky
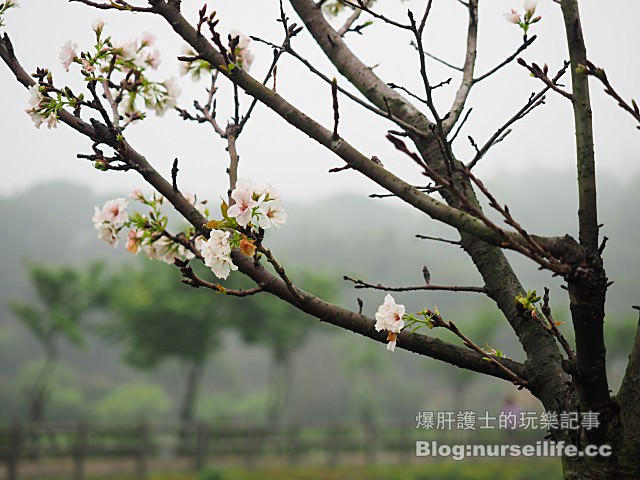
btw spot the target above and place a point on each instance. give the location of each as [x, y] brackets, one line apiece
[273, 151]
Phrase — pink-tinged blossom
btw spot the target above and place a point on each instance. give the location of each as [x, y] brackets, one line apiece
[530, 7]
[115, 211]
[134, 239]
[68, 54]
[245, 204]
[86, 66]
[217, 253]
[147, 39]
[136, 195]
[512, 17]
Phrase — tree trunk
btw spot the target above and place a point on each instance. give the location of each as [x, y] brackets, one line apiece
[194, 375]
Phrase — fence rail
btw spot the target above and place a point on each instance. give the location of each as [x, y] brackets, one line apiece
[201, 444]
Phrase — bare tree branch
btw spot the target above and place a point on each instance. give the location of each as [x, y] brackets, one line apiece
[446, 288]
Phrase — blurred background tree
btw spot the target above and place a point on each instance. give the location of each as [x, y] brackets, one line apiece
[64, 297]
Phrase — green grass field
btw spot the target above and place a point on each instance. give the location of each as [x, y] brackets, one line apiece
[468, 470]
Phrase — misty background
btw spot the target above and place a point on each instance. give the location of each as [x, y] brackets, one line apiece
[333, 228]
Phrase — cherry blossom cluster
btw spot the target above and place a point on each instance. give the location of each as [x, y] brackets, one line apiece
[255, 209]
[4, 6]
[256, 205]
[121, 69]
[42, 108]
[216, 251]
[131, 59]
[110, 219]
[147, 232]
[528, 19]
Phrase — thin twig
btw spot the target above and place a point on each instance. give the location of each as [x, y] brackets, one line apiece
[191, 279]
[114, 5]
[600, 74]
[438, 239]
[359, 284]
[553, 326]
[508, 60]
[541, 73]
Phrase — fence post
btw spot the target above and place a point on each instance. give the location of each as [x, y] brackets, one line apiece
[13, 451]
[80, 450]
[200, 447]
[370, 443]
[294, 446]
[142, 450]
[333, 446]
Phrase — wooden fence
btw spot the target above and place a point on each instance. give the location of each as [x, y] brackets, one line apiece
[200, 444]
[193, 446]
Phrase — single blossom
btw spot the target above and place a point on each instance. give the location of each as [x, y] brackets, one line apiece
[165, 250]
[128, 50]
[107, 232]
[134, 240]
[530, 7]
[147, 39]
[216, 252]
[68, 54]
[389, 316]
[51, 120]
[136, 194]
[115, 211]
[272, 214]
[86, 66]
[512, 17]
[169, 99]
[153, 59]
[97, 25]
[245, 204]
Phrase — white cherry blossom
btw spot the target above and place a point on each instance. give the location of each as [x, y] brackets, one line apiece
[530, 7]
[97, 25]
[389, 316]
[216, 252]
[68, 54]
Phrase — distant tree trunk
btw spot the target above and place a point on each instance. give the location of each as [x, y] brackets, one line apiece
[38, 395]
[280, 376]
[192, 385]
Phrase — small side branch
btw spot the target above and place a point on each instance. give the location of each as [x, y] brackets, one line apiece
[593, 71]
[336, 112]
[190, 278]
[437, 321]
[447, 288]
[508, 60]
[541, 73]
[553, 326]
[114, 5]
